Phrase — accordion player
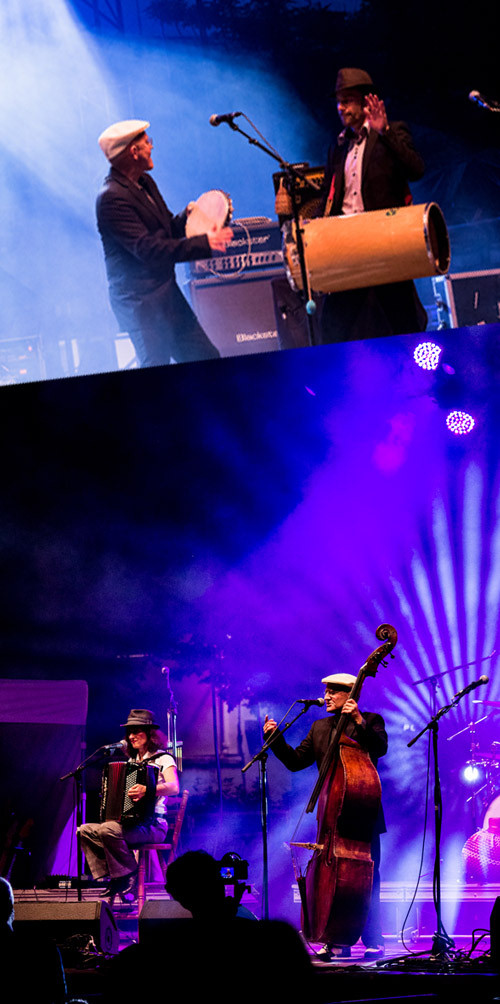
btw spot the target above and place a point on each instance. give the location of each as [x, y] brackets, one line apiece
[133, 806]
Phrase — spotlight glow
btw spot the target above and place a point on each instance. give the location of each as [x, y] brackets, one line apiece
[460, 422]
[427, 355]
[471, 773]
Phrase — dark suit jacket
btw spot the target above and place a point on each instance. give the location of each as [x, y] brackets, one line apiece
[390, 161]
[371, 736]
[142, 242]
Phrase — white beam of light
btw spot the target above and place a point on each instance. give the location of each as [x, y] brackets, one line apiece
[424, 593]
[446, 574]
[492, 591]
[473, 496]
[52, 97]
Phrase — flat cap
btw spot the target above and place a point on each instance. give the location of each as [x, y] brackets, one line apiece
[117, 137]
[344, 681]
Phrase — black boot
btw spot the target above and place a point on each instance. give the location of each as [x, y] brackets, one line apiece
[127, 888]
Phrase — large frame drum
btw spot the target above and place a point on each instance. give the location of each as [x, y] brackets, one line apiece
[369, 249]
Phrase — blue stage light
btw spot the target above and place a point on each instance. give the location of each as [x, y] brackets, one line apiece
[427, 355]
[460, 422]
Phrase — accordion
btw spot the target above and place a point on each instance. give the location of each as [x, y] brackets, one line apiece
[117, 779]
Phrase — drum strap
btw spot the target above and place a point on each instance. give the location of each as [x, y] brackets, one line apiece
[331, 194]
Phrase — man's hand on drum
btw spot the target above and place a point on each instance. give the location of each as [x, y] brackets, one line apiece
[219, 238]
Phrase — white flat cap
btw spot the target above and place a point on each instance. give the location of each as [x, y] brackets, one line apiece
[339, 680]
[116, 137]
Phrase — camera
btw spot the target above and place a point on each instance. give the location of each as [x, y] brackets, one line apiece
[234, 872]
[233, 868]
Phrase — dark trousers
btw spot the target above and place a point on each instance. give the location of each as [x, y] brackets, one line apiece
[166, 329]
[372, 932]
[374, 312]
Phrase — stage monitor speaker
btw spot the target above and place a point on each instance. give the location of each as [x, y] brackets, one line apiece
[59, 921]
[465, 299]
[238, 315]
[157, 913]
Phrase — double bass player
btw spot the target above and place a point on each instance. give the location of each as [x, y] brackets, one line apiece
[367, 729]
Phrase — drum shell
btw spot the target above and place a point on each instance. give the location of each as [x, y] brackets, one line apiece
[369, 249]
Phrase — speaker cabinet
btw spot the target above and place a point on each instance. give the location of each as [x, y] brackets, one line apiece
[59, 921]
[237, 315]
[157, 913]
[465, 299]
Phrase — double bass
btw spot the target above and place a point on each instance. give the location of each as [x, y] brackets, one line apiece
[336, 889]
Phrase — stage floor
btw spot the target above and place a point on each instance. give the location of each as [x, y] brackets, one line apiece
[405, 973]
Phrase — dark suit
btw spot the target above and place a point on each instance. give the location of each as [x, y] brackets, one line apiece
[142, 242]
[390, 161]
[372, 737]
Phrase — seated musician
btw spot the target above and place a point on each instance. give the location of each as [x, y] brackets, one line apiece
[368, 729]
[108, 845]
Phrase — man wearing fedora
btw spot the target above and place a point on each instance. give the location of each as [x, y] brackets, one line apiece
[369, 167]
[108, 845]
[368, 730]
[142, 243]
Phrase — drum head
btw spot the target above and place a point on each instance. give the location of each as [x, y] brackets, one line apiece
[213, 208]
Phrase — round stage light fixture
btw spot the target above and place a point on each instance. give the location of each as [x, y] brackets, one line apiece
[426, 355]
[460, 422]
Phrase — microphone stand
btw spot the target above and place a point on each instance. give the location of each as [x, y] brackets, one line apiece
[293, 175]
[442, 943]
[77, 774]
[261, 757]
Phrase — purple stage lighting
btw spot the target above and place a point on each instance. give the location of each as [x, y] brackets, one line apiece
[427, 355]
[460, 423]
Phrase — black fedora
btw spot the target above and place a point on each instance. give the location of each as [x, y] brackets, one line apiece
[350, 78]
[142, 717]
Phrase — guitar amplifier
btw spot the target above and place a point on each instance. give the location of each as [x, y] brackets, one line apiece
[238, 315]
[256, 245]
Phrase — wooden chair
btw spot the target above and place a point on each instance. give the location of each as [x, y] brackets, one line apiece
[176, 808]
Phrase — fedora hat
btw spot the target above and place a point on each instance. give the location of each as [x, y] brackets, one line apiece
[350, 77]
[142, 717]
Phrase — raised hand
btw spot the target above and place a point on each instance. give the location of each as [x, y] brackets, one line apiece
[376, 115]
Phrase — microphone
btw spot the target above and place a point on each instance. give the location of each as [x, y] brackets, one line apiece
[317, 701]
[114, 746]
[478, 99]
[216, 120]
[471, 686]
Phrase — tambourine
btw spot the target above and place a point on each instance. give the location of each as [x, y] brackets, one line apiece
[211, 211]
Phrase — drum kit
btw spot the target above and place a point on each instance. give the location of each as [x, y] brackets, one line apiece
[481, 851]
